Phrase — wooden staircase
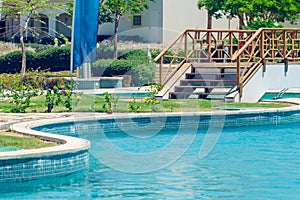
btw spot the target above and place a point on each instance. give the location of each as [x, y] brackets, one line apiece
[218, 64]
[206, 81]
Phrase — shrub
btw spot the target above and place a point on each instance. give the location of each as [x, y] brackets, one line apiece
[142, 71]
[38, 47]
[135, 54]
[105, 50]
[119, 67]
[156, 52]
[143, 74]
[100, 66]
[54, 59]
[11, 63]
[50, 83]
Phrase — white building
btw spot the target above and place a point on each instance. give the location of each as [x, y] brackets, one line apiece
[165, 20]
[161, 23]
[47, 25]
[289, 25]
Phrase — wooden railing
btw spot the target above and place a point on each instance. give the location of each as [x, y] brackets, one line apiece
[266, 46]
[194, 45]
[247, 49]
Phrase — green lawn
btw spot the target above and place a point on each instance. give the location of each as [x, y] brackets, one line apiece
[10, 139]
[91, 103]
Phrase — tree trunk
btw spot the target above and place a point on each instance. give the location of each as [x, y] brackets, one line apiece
[241, 21]
[116, 38]
[117, 20]
[209, 21]
[23, 31]
[23, 69]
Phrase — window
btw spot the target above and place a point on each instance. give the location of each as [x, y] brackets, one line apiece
[137, 20]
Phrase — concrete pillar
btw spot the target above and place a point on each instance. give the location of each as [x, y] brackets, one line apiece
[84, 71]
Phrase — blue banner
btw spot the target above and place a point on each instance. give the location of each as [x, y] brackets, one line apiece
[85, 27]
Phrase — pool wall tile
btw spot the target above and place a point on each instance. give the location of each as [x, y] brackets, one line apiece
[16, 170]
[61, 165]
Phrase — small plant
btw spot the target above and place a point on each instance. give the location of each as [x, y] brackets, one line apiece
[53, 98]
[133, 106]
[20, 91]
[110, 102]
[61, 95]
[151, 98]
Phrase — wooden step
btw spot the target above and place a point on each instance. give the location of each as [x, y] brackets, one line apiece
[217, 65]
[207, 81]
[212, 73]
[199, 95]
[204, 86]
[210, 76]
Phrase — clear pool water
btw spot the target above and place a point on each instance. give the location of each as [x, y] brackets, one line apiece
[273, 95]
[8, 148]
[247, 163]
[130, 95]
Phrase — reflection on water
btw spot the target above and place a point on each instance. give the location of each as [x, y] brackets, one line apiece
[247, 163]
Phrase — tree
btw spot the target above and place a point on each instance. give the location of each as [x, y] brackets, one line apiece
[104, 15]
[263, 12]
[213, 8]
[26, 10]
[270, 12]
[119, 8]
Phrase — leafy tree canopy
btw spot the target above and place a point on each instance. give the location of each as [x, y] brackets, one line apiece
[268, 12]
[125, 7]
[119, 8]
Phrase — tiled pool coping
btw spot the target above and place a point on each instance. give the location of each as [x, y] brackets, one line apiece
[70, 156]
[72, 153]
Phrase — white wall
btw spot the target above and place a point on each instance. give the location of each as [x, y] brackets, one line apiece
[274, 78]
[183, 14]
[150, 29]
[166, 19]
[289, 25]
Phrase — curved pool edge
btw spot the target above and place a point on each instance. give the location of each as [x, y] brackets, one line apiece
[66, 144]
[69, 156]
[70, 144]
[72, 154]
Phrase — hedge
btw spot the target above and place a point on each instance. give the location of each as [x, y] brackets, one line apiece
[54, 59]
[11, 63]
[141, 70]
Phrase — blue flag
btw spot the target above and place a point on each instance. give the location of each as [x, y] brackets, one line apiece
[85, 31]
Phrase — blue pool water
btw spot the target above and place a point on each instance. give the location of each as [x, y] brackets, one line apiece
[274, 95]
[246, 163]
[130, 95]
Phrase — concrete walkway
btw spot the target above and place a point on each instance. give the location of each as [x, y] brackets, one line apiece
[7, 119]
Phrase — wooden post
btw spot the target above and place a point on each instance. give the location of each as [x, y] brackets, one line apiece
[262, 51]
[231, 44]
[160, 69]
[186, 46]
[238, 76]
[264, 62]
[209, 43]
[286, 64]
[284, 45]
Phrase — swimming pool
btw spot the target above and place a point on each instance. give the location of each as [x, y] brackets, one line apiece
[248, 162]
[130, 94]
[274, 95]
